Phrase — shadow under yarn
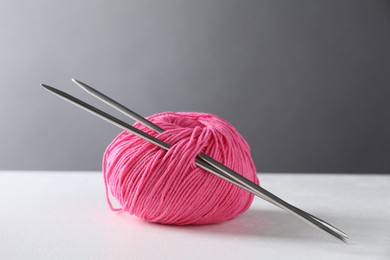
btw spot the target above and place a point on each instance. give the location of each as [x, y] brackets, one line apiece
[281, 225]
[260, 223]
[369, 229]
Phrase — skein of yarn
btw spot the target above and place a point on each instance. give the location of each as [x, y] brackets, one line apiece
[166, 186]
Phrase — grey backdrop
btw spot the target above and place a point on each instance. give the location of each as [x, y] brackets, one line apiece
[305, 82]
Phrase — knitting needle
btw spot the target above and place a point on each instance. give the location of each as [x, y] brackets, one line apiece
[245, 184]
[268, 196]
[263, 193]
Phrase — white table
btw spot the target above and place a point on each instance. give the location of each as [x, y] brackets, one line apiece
[64, 215]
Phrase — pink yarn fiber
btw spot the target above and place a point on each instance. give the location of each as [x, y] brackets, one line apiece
[166, 186]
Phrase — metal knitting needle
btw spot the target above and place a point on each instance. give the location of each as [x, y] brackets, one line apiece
[264, 194]
[213, 163]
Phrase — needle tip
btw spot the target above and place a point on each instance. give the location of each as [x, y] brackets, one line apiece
[79, 83]
[45, 86]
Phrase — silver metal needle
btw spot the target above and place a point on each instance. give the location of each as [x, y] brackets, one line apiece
[215, 164]
[203, 161]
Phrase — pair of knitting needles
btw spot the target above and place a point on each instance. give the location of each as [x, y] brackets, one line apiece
[203, 161]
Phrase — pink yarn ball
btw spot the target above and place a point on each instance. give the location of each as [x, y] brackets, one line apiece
[166, 186]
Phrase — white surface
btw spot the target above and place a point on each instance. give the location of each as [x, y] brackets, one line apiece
[65, 216]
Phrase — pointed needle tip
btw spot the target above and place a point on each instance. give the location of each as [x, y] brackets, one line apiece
[79, 83]
[45, 86]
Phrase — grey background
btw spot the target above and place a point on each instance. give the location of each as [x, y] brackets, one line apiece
[305, 82]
